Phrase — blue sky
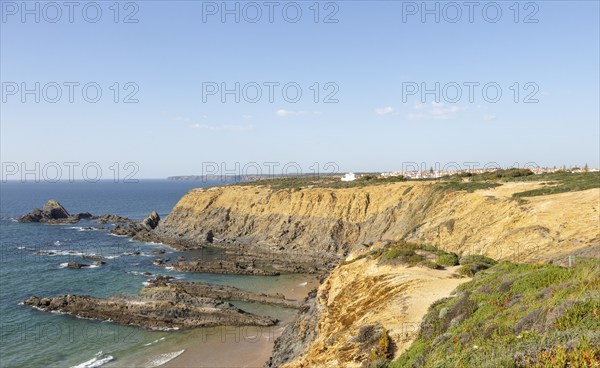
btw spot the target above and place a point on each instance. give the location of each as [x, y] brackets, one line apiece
[370, 54]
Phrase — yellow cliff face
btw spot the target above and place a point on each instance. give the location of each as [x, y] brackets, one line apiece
[484, 222]
[364, 293]
[349, 221]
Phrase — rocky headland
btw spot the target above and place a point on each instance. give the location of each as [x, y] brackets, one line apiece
[323, 225]
[367, 308]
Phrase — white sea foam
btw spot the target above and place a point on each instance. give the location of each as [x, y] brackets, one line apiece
[62, 252]
[63, 265]
[154, 342]
[20, 247]
[139, 273]
[120, 236]
[57, 243]
[164, 328]
[83, 228]
[164, 358]
[303, 284]
[96, 361]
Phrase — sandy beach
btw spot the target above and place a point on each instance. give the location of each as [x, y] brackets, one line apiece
[245, 346]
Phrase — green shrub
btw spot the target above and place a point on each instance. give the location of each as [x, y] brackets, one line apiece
[583, 314]
[448, 259]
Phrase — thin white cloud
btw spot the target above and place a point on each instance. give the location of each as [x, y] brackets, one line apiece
[489, 117]
[384, 110]
[247, 116]
[434, 111]
[223, 127]
[188, 119]
[182, 118]
[282, 113]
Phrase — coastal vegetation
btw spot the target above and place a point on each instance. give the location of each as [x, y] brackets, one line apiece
[296, 182]
[413, 254]
[556, 182]
[514, 315]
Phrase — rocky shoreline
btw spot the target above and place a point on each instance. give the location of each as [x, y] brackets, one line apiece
[165, 303]
[219, 267]
[168, 304]
[249, 256]
[298, 335]
[54, 213]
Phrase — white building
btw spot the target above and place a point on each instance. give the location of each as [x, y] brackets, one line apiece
[349, 177]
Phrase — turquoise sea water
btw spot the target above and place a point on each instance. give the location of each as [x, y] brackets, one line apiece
[32, 338]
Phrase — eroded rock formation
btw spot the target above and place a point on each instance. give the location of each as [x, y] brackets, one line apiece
[53, 213]
[166, 303]
[325, 221]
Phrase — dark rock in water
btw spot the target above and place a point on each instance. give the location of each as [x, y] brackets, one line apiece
[46, 252]
[92, 256]
[93, 228]
[131, 228]
[102, 219]
[166, 304]
[168, 288]
[221, 266]
[52, 210]
[83, 216]
[55, 210]
[158, 251]
[34, 216]
[124, 230]
[134, 253]
[53, 213]
[76, 266]
[151, 221]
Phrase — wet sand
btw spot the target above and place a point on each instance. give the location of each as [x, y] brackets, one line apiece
[240, 346]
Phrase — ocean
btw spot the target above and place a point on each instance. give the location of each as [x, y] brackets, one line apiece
[32, 338]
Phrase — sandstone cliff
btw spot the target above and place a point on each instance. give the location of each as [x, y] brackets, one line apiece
[314, 220]
[363, 301]
[356, 297]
